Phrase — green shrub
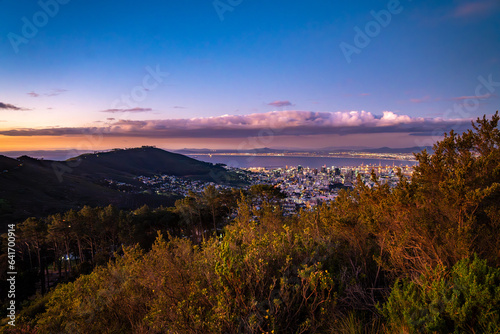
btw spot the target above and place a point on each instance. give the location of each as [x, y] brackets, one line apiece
[465, 299]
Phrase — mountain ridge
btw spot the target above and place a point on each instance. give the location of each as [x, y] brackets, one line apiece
[38, 187]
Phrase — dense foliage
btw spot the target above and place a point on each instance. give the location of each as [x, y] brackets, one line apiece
[422, 257]
[463, 299]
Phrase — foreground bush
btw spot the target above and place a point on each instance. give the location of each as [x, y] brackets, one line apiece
[261, 276]
[464, 300]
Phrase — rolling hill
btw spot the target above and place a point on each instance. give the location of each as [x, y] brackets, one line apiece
[33, 187]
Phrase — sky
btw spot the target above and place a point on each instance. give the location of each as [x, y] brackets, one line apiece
[240, 74]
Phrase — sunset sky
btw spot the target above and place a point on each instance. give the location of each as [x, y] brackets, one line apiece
[94, 75]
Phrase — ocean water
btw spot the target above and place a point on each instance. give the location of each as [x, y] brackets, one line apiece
[246, 161]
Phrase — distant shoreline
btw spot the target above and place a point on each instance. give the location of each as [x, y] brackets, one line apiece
[402, 157]
[280, 161]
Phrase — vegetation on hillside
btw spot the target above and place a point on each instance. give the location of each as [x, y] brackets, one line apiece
[32, 187]
[422, 257]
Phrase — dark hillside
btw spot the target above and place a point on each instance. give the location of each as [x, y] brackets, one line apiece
[32, 187]
[7, 163]
[143, 161]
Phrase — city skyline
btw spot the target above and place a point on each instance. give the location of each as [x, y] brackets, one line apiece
[239, 74]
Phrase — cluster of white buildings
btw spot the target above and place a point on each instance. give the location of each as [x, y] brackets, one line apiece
[306, 187]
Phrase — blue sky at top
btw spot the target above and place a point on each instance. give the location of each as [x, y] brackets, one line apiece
[426, 60]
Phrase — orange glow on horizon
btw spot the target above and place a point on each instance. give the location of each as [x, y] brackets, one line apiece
[97, 143]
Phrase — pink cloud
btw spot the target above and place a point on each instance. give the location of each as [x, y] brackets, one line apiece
[53, 92]
[127, 110]
[280, 104]
[427, 98]
[277, 123]
[421, 100]
[480, 97]
[56, 92]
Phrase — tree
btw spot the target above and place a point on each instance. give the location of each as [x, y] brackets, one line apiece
[188, 209]
[33, 233]
[60, 231]
[77, 230]
[210, 197]
[459, 186]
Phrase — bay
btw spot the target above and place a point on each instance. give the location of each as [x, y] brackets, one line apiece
[247, 161]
